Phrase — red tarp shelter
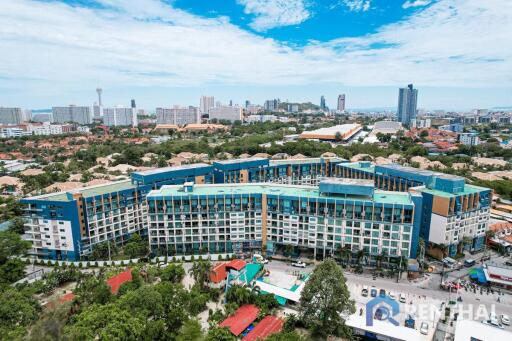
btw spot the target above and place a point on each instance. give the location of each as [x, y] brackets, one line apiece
[268, 326]
[116, 281]
[241, 319]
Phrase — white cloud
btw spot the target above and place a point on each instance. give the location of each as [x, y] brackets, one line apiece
[416, 3]
[275, 13]
[51, 48]
[357, 5]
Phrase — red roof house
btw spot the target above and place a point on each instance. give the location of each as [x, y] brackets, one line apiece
[116, 281]
[218, 273]
[268, 326]
[236, 264]
[241, 319]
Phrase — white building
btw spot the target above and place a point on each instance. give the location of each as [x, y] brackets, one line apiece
[97, 110]
[206, 103]
[469, 139]
[120, 116]
[14, 115]
[45, 129]
[10, 132]
[226, 113]
[72, 113]
[178, 116]
[261, 118]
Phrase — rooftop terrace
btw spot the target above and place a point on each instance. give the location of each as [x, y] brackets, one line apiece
[384, 197]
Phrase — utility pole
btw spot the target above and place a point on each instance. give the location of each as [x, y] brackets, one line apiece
[109, 257]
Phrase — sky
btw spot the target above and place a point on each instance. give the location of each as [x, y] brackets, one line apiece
[458, 53]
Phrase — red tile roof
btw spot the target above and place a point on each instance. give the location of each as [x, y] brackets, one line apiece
[268, 326]
[236, 264]
[241, 319]
[116, 281]
[218, 273]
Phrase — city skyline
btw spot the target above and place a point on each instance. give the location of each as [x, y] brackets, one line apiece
[247, 49]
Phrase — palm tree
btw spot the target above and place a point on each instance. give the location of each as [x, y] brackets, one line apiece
[200, 271]
[378, 260]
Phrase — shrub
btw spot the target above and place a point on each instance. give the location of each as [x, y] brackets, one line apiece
[192, 258]
[80, 265]
[220, 257]
[49, 263]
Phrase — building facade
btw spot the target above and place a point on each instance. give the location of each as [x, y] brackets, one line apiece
[319, 220]
[316, 205]
[206, 103]
[178, 116]
[14, 115]
[120, 116]
[72, 113]
[453, 214]
[341, 102]
[226, 113]
[407, 105]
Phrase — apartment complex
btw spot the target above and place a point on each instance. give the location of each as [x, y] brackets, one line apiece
[177, 116]
[226, 113]
[316, 205]
[321, 219]
[72, 113]
[120, 116]
[14, 115]
[453, 213]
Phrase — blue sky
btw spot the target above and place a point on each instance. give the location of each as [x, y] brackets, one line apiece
[457, 52]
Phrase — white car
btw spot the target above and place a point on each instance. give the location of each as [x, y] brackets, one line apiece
[493, 324]
[505, 319]
[424, 328]
[391, 295]
[299, 264]
[402, 298]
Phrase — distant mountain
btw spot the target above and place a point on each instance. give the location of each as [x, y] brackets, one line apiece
[41, 111]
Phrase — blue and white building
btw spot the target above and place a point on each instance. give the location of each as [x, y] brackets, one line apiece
[316, 205]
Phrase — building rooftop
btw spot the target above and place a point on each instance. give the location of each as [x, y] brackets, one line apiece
[365, 166]
[169, 169]
[304, 160]
[384, 197]
[467, 189]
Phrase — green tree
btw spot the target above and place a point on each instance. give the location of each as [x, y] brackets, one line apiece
[201, 272]
[17, 310]
[239, 295]
[173, 273]
[92, 290]
[219, 334]
[100, 251]
[11, 244]
[286, 336]
[136, 247]
[325, 301]
[190, 331]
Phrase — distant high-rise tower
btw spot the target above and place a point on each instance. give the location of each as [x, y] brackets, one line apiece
[247, 103]
[206, 103]
[322, 103]
[341, 102]
[99, 91]
[407, 105]
[133, 104]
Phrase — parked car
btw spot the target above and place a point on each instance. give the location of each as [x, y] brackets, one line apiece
[299, 264]
[373, 292]
[391, 295]
[469, 263]
[505, 319]
[493, 324]
[364, 292]
[402, 298]
[424, 328]
[382, 293]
